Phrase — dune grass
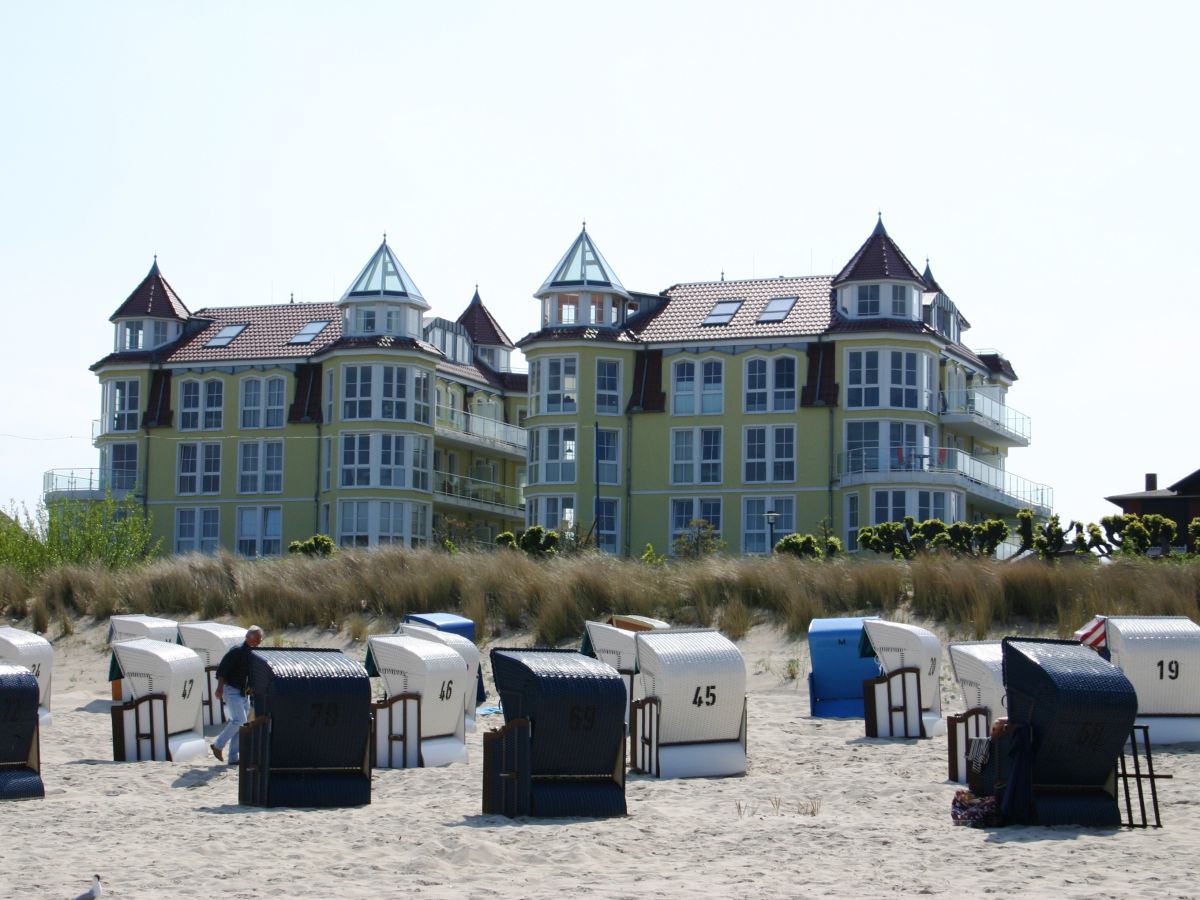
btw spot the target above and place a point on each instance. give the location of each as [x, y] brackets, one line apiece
[504, 590]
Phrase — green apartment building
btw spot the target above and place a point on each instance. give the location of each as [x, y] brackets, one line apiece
[763, 406]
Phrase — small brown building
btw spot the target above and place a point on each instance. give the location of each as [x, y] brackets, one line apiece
[1180, 501]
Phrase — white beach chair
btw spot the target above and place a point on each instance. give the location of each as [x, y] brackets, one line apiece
[978, 669]
[613, 641]
[465, 648]
[420, 723]
[905, 701]
[130, 627]
[158, 715]
[692, 720]
[35, 653]
[211, 641]
[1160, 655]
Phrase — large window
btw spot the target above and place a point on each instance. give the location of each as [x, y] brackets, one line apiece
[122, 467]
[121, 405]
[606, 524]
[198, 468]
[260, 467]
[908, 446]
[852, 522]
[395, 393]
[262, 402]
[698, 387]
[862, 446]
[904, 391]
[608, 387]
[562, 384]
[900, 301]
[372, 459]
[197, 529]
[771, 384]
[551, 455]
[757, 533]
[552, 513]
[608, 456]
[894, 505]
[201, 405]
[259, 530]
[685, 510]
[696, 456]
[863, 388]
[770, 453]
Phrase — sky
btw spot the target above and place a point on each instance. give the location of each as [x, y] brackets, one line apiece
[1044, 157]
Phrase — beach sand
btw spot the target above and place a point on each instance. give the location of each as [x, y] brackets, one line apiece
[881, 827]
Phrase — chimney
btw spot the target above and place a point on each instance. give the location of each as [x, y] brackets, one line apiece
[1151, 481]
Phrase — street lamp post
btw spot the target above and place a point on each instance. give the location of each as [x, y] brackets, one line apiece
[772, 516]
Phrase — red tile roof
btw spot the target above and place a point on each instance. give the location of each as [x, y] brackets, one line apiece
[267, 335]
[680, 318]
[878, 258]
[152, 298]
[997, 363]
[481, 326]
[580, 333]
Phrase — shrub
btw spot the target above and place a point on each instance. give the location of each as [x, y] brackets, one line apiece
[317, 545]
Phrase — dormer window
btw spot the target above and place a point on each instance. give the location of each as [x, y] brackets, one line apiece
[364, 321]
[868, 300]
[226, 335]
[722, 312]
[160, 334]
[899, 301]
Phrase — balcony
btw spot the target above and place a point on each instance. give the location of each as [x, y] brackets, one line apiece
[462, 427]
[976, 414]
[987, 487]
[476, 494]
[85, 484]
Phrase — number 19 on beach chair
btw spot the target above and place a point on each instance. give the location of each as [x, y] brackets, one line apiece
[692, 721]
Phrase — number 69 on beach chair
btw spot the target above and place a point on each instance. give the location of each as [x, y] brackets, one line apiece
[419, 723]
[691, 723]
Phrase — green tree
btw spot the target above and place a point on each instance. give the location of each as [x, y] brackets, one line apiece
[697, 540]
[317, 545]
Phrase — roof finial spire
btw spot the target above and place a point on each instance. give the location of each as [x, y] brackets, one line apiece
[722, 275]
[385, 237]
[879, 229]
[585, 224]
[292, 297]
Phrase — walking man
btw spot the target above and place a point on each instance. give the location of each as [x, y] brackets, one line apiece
[233, 674]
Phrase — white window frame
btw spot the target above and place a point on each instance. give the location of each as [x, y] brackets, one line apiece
[552, 454]
[867, 301]
[901, 297]
[608, 387]
[688, 462]
[366, 467]
[204, 526]
[863, 391]
[608, 539]
[203, 410]
[265, 410]
[259, 531]
[777, 467]
[608, 471]
[122, 402]
[703, 394]
[122, 475]
[853, 521]
[562, 371]
[700, 507]
[558, 509]
[756, 532]
[774, 397]
[260, 467]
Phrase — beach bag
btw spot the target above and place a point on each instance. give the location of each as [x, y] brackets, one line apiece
[978, 812]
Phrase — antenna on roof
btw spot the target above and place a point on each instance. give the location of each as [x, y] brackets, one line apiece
[722, 275]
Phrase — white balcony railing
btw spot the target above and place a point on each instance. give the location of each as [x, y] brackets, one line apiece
[942, 465]
[87, 482]
[491, 430]
[986, 410]
[476, 491]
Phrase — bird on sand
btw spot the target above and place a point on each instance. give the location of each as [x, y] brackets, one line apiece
[96, 890]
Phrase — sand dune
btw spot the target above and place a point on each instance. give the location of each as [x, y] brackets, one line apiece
[881, 829]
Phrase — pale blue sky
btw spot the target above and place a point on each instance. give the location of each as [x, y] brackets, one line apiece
[1044, 156]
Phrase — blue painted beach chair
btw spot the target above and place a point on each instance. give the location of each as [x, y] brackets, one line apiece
[20, 753]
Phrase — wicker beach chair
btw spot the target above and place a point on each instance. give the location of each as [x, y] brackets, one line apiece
[35, 653]
[211, 641]
[978, 669]
[1072, 712]
[905, 701]
[835, 683]
[20, 751]
[309, 741]
[419, 723]
[465, 648]
[156, 714]
[692, 720]
[561, 751]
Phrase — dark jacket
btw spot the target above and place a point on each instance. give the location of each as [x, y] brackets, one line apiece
[234, 668]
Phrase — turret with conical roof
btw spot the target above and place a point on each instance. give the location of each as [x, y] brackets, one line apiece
[151, 316]
[582, 289]
[491, 344]
[879, 280]
[383, 299]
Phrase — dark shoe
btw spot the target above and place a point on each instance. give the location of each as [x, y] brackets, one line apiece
[217, 753]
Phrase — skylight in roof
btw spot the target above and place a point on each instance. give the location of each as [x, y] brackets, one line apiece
[223, 337]
[777, 309]
[722, 312]
[306, 334]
